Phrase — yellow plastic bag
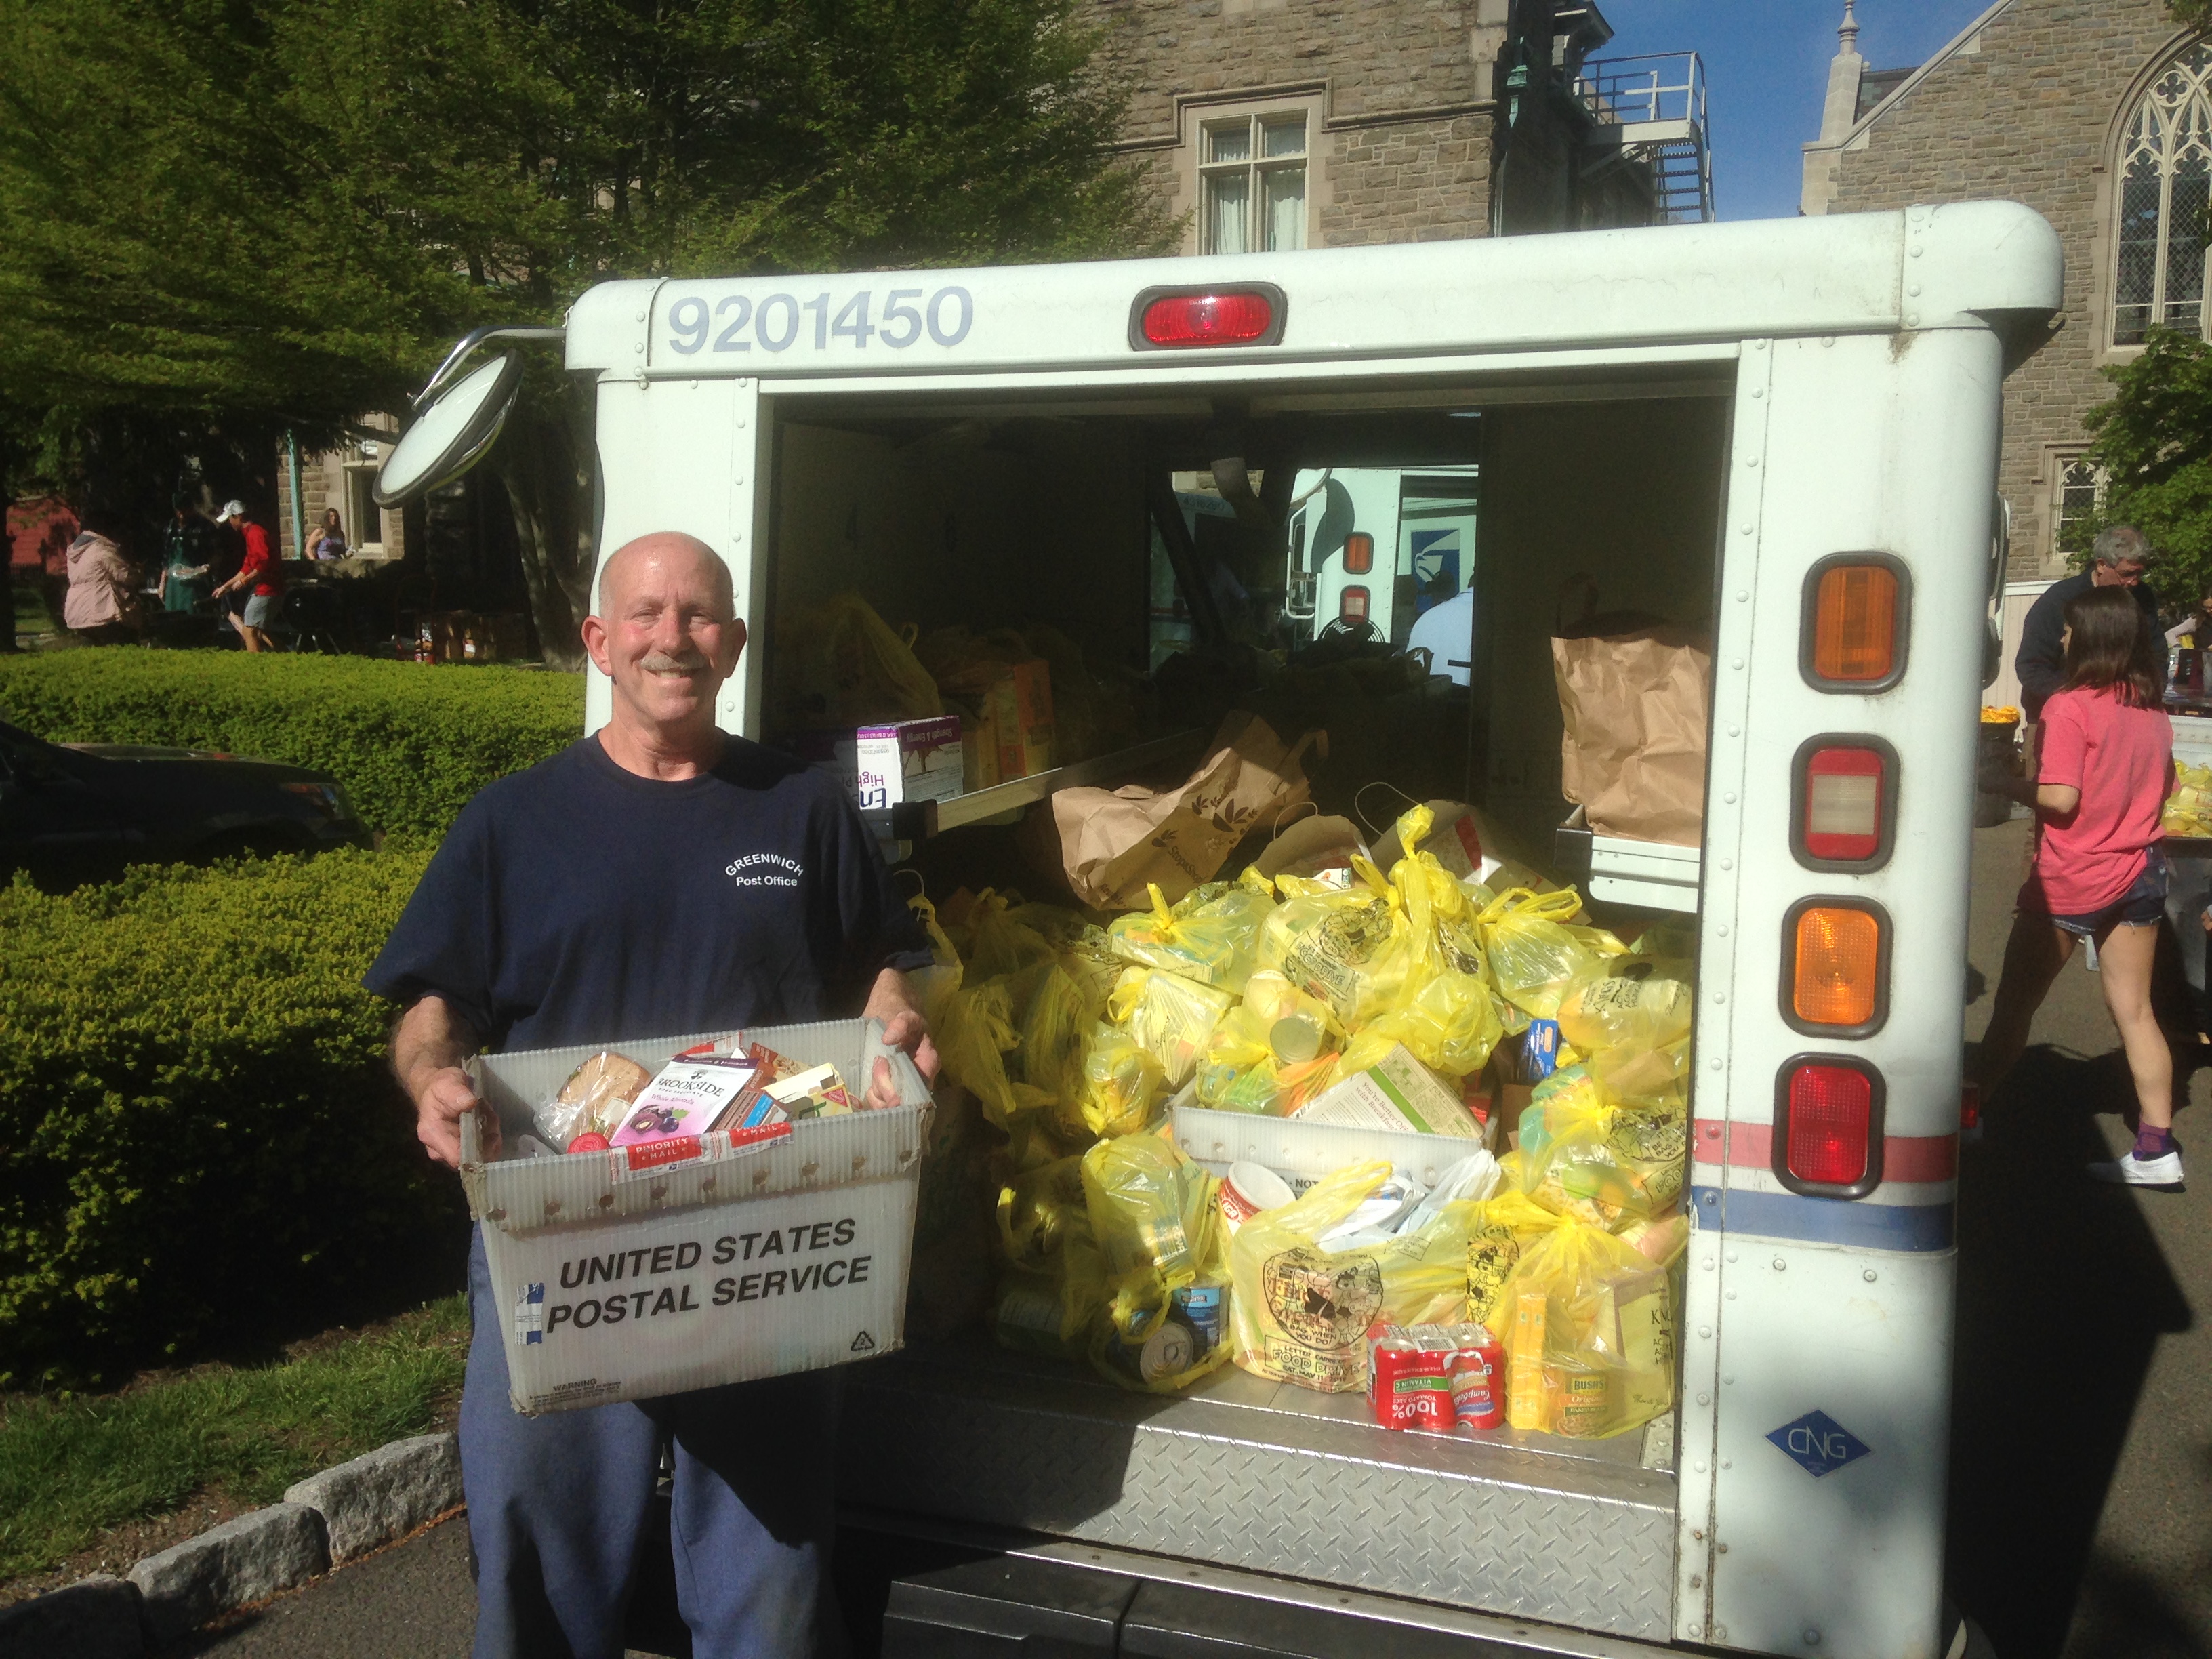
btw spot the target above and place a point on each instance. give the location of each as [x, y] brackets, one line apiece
[1633, 1002]
[997, 942]
[975, 1033]
[1151, 1210]
[1212, 942]
[1587, 1158]
[1347, 947]
[841, 665]
[1413, 990]
[1533, 957]
[1503, 1227]
[1272, 998]
[1300, 1314]
[1589, 1335]
[1231, 1048]
[1169, 1016]
[1123, 1085]
[1037, 1213]
[1644, 1077]
[1056, 1031]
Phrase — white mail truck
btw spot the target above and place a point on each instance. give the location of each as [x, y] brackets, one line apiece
[1785, 433]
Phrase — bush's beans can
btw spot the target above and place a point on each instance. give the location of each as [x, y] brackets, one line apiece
[1478, 1379]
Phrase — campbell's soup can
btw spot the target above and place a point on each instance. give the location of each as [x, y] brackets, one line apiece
[1246, 1190]
[1478, 1379]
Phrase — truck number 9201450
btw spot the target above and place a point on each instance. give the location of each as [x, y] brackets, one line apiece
[778, 321]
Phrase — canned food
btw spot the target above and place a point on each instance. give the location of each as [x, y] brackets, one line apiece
[1200, 1306]
[1478, 1379]
[1583, 1396]
[1408, 1382]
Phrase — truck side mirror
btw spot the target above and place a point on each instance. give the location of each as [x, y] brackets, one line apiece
[451, 435]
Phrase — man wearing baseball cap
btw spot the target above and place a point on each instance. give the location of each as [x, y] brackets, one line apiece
[258, 578]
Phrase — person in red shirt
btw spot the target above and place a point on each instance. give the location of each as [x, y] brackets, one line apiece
[2104, 769]
[263, 582]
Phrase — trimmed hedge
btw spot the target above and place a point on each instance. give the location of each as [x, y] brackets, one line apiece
[410, 743]
[197, 1135]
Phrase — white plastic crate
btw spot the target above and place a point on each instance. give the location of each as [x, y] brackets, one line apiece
[1302, 1153]
[622, 1278]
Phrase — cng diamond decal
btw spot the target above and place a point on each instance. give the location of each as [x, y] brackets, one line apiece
[1820, 1445]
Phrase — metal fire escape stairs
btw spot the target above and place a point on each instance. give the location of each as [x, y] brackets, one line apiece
[1650, 109]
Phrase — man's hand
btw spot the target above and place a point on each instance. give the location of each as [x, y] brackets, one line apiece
[446, 1094]
[891, 1000]
[428, 1045]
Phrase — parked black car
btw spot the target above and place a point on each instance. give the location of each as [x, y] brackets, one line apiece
[78, 810]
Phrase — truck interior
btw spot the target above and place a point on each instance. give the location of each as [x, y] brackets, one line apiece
[1177, 551]
[1154, 543]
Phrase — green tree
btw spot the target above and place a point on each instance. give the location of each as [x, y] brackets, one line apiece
[2153, 441]
[220, 218]
[2195, 14]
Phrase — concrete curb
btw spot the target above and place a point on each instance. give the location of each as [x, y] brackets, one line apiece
[327, 1520]
[384, 1495]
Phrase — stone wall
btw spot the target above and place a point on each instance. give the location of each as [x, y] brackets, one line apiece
[2028, 110]
[1400, 89]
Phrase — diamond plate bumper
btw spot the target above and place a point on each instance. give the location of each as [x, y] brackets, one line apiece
[1246, 1473]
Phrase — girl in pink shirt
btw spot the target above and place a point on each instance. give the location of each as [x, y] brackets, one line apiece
[2106, 767]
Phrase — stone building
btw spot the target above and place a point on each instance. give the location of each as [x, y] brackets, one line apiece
[342, 478]
[1269, 124]
[2098, 114]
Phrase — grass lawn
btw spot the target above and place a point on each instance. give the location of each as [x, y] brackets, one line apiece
[30, 608]
[72, 1467]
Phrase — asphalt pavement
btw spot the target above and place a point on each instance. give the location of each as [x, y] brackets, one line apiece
[2081, 1452]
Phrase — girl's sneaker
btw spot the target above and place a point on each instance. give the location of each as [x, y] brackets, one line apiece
[2164, 1170]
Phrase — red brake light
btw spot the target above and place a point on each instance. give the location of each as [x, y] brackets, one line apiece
[1352, 604]
[1830, 1118]
[1844, 791]
[1237, 318]
[1358, 553]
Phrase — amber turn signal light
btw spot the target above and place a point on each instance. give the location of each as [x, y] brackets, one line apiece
[1837, 962]
[1855, 611]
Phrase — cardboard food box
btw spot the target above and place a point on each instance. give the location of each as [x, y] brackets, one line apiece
[1302, 1151]
[1395, 1093]
[700, 1260]
[908, 760]
[1019, 708]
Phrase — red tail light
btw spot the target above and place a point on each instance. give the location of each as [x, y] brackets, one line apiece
[1237, 316]
[1358, 553]
[1843, 801]
[1831, 1111]
[1351, 605]
[1828, 1127]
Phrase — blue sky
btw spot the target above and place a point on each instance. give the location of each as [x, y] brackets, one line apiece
[1767, 66]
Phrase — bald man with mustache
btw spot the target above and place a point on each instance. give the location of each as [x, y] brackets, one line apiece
[658, 876]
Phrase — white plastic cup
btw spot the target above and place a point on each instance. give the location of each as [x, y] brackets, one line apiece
[1246, 1190]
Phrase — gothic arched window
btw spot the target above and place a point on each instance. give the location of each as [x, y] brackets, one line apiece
[2166, 185]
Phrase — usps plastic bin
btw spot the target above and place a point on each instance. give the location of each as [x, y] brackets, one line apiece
[654, 1269]
[1302, 1153]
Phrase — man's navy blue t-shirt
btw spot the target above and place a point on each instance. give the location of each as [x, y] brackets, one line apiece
[579, 902]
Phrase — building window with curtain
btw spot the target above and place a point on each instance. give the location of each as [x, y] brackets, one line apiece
[2165, 185]
[1252, 182]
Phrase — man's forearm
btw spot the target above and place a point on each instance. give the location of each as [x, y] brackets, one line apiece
[429, 1037]
[889, 996]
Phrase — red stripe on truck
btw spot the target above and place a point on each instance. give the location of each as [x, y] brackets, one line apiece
[1904, 1158]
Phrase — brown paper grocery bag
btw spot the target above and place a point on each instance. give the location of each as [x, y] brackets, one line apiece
[1112, 842]
[1636, 703]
